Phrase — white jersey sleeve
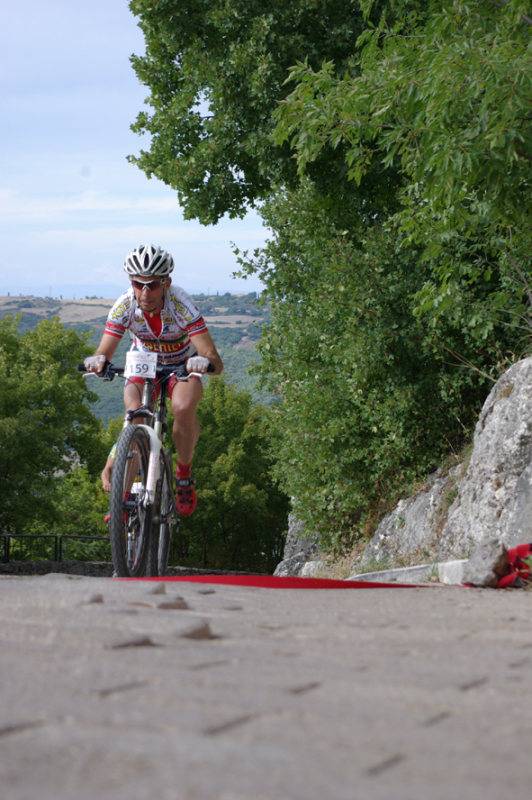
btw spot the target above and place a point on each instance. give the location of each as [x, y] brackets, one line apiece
[185, 311]
[119, 317]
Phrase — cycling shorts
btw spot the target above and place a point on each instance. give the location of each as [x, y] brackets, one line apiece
[171, 384]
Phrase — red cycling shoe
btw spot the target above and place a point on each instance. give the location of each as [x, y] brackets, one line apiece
[186, 499]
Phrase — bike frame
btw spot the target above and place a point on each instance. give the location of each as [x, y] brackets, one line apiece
[157, 428]
[154, 465]
[134, 546]
[155, 432]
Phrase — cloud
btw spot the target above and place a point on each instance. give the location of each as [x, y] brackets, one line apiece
[71, 205]
[111, 236]
[94, 255]
[14, 204]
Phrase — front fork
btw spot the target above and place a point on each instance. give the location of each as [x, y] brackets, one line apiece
[154, 463]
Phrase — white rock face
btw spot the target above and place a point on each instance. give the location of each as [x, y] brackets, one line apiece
[311, 568]
[300, 547]
[495, 495]
[411, 529]
[491, 498]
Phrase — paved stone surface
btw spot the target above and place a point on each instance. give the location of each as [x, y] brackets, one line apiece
[111, 691]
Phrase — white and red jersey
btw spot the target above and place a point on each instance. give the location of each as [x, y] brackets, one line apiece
[169, 333]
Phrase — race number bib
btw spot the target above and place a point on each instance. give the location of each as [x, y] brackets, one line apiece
[140, 365]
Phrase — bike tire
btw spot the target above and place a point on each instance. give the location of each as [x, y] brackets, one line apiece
[152, 567]
[164, 520]
[130, 521]
[169, 520]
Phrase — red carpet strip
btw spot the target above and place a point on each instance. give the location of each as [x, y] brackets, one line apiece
[275, 582]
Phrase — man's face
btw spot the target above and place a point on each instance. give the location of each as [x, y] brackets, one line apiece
[149, 292]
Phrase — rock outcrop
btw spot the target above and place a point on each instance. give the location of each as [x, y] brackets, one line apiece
[482, 503]
[495, 495]
[488, 563]
[410, 532]
[300, 547]
[488, 499]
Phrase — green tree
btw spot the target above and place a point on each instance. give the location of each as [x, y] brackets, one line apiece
[389, 142]
[441, 99]
[46, 427]
[241, 517]
[79, 506]
[215, 70]
[357, 368]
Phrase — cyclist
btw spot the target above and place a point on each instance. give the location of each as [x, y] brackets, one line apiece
[162, 319]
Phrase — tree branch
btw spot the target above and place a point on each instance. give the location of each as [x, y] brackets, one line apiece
[524, 18]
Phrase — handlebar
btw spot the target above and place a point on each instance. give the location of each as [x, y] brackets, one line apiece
[109, 371]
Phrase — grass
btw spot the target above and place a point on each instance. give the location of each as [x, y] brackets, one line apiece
[384, 505]
[340, 568]
[339, 565]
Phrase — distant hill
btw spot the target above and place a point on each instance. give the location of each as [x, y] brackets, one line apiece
[237, 312]
[235, 323]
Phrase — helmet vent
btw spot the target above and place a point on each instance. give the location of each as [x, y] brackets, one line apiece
[148, 260]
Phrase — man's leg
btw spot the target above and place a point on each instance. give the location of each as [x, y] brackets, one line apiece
[185, 432]
[132, 395]
[106, 474]
[132, 400]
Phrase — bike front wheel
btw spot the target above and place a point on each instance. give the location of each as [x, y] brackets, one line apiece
[130, 518]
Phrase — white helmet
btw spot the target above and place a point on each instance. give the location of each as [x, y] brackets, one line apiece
[148, 260]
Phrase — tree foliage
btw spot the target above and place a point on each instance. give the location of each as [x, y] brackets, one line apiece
[389, 141]
[442, 100]
[240, 521]
[45, 423]
[215, 70]
[358, 368]
[79, 505]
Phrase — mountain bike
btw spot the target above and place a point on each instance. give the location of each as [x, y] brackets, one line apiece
[142, 515]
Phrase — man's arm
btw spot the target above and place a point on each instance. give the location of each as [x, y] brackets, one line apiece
[106, 348]
[206, 348]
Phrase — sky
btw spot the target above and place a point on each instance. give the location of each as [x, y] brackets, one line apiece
[71, 206]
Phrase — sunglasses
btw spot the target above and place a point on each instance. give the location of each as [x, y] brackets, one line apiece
[151, 286]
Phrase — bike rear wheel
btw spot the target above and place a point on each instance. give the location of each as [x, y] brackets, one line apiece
[130, 520]
[166, 521]
[169, 518]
